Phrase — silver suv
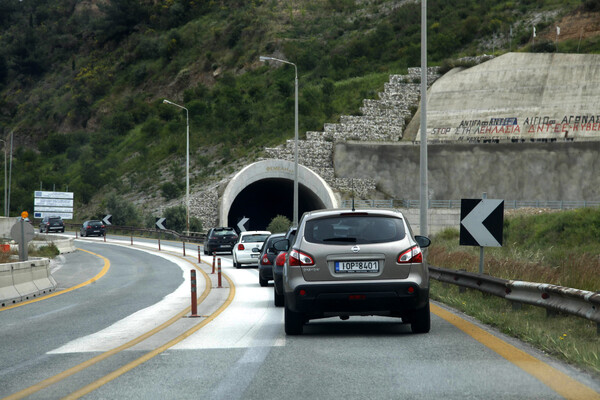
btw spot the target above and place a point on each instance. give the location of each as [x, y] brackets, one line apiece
[355, 262]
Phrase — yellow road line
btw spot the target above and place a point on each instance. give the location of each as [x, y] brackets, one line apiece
[128, 367]
[80, 367]
[94, 279]
[561, 383]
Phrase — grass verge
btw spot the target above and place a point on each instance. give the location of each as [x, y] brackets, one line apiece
[571, 339]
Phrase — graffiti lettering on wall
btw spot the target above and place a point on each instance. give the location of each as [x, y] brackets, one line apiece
[533, 126]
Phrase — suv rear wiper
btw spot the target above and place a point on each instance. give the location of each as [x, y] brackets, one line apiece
[340, 239]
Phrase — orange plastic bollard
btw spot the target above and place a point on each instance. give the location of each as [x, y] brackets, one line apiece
[199, 256]
[214, 258]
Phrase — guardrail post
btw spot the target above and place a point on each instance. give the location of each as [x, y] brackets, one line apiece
[219, 274]
[159, 243]
[194, 299]
[75, 233]
[131, 236]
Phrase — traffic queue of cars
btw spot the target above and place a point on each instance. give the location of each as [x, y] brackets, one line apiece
[343, 263]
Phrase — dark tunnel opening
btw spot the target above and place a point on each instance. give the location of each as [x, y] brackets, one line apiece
[263, 200]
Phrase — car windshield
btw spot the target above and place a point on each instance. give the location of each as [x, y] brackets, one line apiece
[254, 238]
[359, 229]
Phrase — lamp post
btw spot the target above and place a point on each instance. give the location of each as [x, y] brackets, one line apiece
[5, 182]
[263, 59]
[187, 163]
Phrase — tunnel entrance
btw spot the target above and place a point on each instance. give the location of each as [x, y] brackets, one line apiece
[265, 189]
[263, 200]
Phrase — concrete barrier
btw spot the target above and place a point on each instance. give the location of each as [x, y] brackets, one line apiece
[8, 293]
[42, 278]
[24, 280]
[64, 244]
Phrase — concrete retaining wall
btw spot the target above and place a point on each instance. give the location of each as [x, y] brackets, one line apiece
[25, 280]
[524, 171]
[438, 219]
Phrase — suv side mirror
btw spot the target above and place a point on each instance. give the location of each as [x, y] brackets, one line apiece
[422, 241]
[282, 245]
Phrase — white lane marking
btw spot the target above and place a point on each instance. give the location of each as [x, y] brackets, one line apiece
[250, 321]
[144, 320]
[56, 263]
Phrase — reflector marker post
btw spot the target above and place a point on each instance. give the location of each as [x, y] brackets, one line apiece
[194, 298]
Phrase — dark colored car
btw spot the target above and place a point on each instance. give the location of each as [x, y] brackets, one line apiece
[221, 239]
[52, 224]
[278, 270]
[355, 262]
[92, 228]
[267, 258]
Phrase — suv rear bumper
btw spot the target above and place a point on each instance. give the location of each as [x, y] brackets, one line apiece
[378, 298]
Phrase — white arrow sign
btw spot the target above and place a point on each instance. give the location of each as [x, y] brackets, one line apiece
[160, 222]
[107, 220]
[242, 223]
[474, 222]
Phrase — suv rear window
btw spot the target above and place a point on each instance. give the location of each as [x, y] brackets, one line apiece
[359, 229]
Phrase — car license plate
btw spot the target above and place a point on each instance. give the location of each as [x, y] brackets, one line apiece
[254, 255]
[224, 245]
[356, 266]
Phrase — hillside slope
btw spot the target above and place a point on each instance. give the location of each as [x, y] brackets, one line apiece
[82, 83]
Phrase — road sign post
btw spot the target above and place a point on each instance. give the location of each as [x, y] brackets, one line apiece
[22, 232]
[481, 224]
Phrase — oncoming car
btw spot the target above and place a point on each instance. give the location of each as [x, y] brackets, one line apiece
[247, 249]
[52, 224]
[355, 262]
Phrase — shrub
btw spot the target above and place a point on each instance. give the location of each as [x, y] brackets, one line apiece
[279, 224]
[170, 190]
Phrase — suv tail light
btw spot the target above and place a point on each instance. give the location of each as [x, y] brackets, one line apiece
[412, 255]
[280, 259]
[241, 247]
[265, 260]
[298, 258]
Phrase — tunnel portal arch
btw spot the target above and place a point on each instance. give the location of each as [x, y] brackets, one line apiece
[264, 189]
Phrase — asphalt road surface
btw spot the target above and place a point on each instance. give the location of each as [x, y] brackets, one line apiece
[128, 334]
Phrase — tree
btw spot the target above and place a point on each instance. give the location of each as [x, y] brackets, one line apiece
[175, 220]
[123, 212]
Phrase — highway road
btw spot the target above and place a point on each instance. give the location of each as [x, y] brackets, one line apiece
[119, 326]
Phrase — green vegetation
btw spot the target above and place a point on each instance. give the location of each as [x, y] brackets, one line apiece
[49, 251]
[561, 248]
[279, 224]
[82, 83]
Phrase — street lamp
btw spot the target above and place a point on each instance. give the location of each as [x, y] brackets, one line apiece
[187, 163]
[5, 181]
[263, 59]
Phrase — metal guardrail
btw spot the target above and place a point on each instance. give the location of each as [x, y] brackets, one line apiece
[194, 237]
[508, 204]
[581, 303]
